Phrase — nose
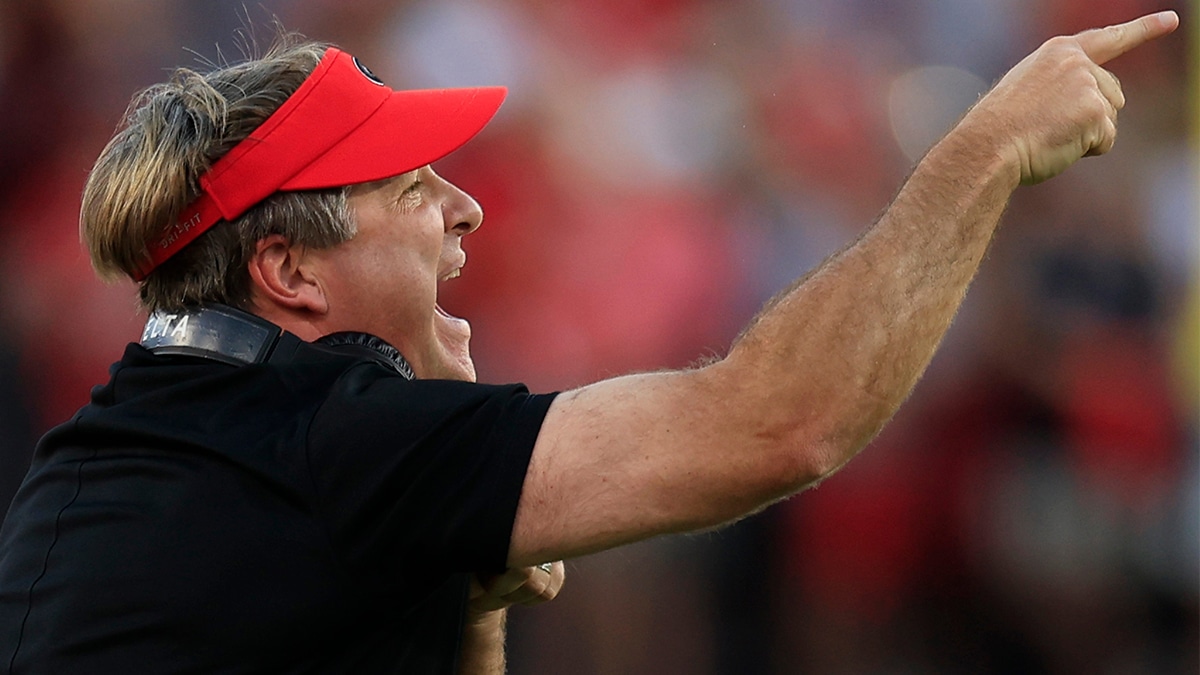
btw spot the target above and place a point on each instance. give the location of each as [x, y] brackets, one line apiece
[461, 213]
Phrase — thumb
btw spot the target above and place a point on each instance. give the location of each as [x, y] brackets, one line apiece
[1105, 44]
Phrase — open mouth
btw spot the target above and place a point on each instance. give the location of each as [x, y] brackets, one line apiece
[454, 336]
[453, 333]
[453, 273]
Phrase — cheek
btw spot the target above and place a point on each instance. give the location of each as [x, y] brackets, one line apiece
[389, 265]
[395, 255]
[392, 262]
[376, 276]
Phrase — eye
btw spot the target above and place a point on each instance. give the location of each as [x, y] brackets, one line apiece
[410, 196]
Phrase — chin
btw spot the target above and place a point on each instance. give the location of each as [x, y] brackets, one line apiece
[465, 370]
[456, 372]
[449, 368]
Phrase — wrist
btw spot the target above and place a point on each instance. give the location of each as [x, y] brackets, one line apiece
[486, 619]
[979, 147]
[483, 643]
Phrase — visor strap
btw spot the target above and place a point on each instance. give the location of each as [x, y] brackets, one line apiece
[196, 219]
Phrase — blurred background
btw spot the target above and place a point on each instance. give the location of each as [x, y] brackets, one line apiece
[660, 169]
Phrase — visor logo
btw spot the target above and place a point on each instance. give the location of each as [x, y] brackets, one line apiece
[367, 71]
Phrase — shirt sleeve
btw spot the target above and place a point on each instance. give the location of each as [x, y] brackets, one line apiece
[410, 474]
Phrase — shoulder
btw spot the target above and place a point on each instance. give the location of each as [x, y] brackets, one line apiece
[368, 395]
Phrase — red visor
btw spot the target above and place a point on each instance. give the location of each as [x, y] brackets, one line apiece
[341, 127]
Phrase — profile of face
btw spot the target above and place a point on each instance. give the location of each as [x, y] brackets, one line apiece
[385, 280]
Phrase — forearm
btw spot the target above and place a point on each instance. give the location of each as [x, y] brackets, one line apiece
[483, 643]
[859, 331]
[810, 381]
[827, 363]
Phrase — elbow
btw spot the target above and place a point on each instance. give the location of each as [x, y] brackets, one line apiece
[769, 470]
[802, 459]
[797, 445]
[824, 458]
[818, 445]
[811, 461]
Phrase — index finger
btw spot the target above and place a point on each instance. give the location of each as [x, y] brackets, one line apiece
[1105, 44]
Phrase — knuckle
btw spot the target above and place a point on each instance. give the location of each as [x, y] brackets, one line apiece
[1054, 46]
[1071, 68]
[538, 585]
[1097, 108]
[1058, 42]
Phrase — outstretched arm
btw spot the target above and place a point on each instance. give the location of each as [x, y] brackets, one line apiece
[827, 362]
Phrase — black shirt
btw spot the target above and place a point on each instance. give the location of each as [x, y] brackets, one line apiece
[315, 516]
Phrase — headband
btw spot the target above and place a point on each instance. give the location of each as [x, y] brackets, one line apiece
[341, 127]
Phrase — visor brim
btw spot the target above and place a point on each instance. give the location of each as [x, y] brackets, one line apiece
[411, 129]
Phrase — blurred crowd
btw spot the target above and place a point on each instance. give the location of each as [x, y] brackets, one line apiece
[661, 168]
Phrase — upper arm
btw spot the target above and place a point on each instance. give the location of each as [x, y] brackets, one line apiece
[632, 457]
[426, 466]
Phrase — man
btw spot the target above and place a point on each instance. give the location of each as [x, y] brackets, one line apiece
[295, 472]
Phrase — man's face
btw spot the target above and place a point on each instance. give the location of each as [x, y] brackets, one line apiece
[385, 279]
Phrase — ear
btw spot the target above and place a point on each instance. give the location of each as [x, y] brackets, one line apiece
[280, 277]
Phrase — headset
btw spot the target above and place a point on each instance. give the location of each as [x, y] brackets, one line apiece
[238, 338]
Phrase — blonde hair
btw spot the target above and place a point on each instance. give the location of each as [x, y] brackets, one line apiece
[149, 172]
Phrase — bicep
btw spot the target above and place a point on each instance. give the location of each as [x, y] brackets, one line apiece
[641, 455]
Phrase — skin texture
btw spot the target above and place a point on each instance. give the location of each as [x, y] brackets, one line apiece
[809, 383]
[827, 363]
[384, 281]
